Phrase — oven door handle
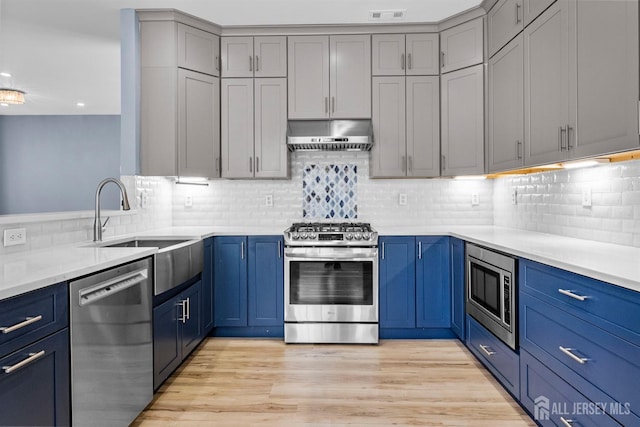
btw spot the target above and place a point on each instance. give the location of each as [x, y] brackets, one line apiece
[345, 257]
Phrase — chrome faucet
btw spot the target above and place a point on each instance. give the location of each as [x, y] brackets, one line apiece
[97, 223]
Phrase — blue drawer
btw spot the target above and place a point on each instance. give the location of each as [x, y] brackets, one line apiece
[607, 306]
[548, 398]
[495, 355]
[29, 317]
[610, 370]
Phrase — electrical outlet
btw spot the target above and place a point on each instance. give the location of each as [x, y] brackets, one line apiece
[475, 199]
[188, 201]
[268, 200]
[144, 200]
[586, 196]
[402, 200]
[16, 236]
[514, 196]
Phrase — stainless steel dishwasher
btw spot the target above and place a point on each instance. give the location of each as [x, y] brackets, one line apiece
[111, 345]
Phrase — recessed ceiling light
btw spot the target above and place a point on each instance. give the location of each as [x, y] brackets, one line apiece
[3, 74]
[80, 104]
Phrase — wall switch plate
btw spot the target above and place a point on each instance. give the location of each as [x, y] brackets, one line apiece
[475, 199]
[268, 200]
[402, 199]
[586, 196]
[16, 236]
[514, 196]
[188, 201]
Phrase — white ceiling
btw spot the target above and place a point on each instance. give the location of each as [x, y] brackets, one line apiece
[61, 52]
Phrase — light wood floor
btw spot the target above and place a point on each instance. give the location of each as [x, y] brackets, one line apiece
[244, 382]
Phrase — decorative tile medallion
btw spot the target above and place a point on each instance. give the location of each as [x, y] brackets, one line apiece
[330, 192]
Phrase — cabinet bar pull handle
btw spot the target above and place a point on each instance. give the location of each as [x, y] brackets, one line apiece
[188, 308]
[250, 164]
[518, 150]
[216, 162]
[409, 65]
[183, 315]
[28, 321]
[486, 350]
[333, 104]
[569, 137]
[568, 352]
[217, 63]
[517, 13]
[419, 250]
[403, 164]
[402, 61]
[257, 164]
[326, 105]
[444, 158]
[32, 357]
[410, 163]
[250, 63]
[279, 249]
[442, 59]
[257, 63]
[566, 422]
[569, 293]
[562, 130]
[241, 250]
[382, 250]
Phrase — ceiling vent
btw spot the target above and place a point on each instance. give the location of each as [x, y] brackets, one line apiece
[387, 15]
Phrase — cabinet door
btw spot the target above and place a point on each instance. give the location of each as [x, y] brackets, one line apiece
[463, 122]
[230, 273]
[388, 55]
[237, 128]
[423, 126]
[266, 281]
[388, 155]
[397, 282]
[423, 55]
[271, 153]
[504, 22]
[191, 326]
[462, 46]
[237, 56]
[198, 124]
[270, 56]
[546, 82]
[457, 287]
[198, 50]
[37, 394]
[350, 76]
[167, 349]
[308, 71]
[533, 8]
[506, 107]
[603, 108]
[207, 288]
[433, 283]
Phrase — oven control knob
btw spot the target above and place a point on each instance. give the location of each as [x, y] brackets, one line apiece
[358, 235]
[366, 235]
[295, 235]
[312, 235]
[349, 236]
[303, 235]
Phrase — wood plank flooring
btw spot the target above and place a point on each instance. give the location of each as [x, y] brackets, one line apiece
[250, 382]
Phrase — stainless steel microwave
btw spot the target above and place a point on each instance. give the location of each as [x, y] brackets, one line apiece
[491, 291]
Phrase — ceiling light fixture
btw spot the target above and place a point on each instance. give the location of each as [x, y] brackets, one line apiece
[11, 96]
[80, 104]
[585, 163]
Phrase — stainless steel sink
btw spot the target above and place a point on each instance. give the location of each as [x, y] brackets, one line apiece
[175, 262]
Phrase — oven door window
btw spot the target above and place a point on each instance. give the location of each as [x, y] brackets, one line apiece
[485, 288]
[331, 282]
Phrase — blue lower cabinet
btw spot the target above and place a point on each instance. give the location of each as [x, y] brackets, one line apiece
[550, 400]
[457, 262]
[37, 394]
[397, 281]
[249, 286]
[433, 287]
[207, 315]
[501, 361]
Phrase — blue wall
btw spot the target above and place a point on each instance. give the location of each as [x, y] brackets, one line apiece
[54, 163]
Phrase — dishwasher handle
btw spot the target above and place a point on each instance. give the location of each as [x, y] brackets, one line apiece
[112, 286]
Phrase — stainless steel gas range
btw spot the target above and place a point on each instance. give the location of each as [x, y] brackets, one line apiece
[331, 283]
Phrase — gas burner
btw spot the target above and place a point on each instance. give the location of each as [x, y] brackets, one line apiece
[331, 234]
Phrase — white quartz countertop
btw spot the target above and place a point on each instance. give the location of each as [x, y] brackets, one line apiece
[616, 264]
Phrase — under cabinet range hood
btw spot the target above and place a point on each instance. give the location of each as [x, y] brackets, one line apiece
[330, 135]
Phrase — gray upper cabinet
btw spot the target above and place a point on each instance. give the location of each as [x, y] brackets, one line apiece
[254, 121]
[406, 127]
[179, 108]
[329, 76]
[399, 54]
[254, 56]
[533, 8]
[198, 50]
[462, 46]
[463, 122]
[506, 107]
[505, 21]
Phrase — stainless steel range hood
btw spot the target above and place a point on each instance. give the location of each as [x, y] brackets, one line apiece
[331, 135]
